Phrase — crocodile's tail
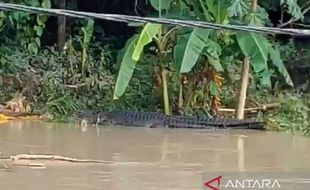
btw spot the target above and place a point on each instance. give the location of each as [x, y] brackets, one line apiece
[245, 123]
[187, 122]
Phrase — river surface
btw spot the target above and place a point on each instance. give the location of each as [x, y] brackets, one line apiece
[139, 158]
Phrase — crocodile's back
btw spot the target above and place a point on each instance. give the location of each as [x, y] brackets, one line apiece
[142, 119]
[154, 118]
[139, 119]
[189, 122]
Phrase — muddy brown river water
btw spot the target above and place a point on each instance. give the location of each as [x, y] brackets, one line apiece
[139, 158]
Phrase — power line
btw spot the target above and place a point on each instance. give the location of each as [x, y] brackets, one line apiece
[127, 19]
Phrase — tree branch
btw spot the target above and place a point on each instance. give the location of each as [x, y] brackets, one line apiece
[293, 19]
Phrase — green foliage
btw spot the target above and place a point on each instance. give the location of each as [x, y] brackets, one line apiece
[161, 4]
[134, 48]
[127, 67]
[258, 48]
[179, 49]
[212, 46]
[238, 8]
[55, 84]
[140, 94]
[255, 47]
[149, 32]
[294, 114]
[205, 43]
[277, 61]
[53, 80]
[214, 91]
[28, 28]
[213, 53]
[293, 8]
[217, 11]
[87, 35]
[62, 105]
[195, 45]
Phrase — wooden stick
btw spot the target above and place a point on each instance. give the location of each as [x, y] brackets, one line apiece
[62, 158]
[261, 107]
[54, 157]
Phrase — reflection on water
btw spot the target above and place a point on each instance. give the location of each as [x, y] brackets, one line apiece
[147, 158]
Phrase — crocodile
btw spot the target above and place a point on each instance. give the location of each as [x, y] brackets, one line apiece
[155, 119]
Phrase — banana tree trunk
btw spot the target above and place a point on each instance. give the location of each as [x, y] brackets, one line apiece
[164, 73]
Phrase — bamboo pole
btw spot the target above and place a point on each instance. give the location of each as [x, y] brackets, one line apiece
[243, 88]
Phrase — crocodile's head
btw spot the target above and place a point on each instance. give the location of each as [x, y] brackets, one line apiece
[85, 116]
[94, 118]
[103, 118]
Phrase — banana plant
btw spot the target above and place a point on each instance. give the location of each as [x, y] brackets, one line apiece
[254, 46]
[134, 48]
[204, 43]
[87, 31]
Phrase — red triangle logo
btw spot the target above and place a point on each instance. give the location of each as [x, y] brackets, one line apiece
[210, 186]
